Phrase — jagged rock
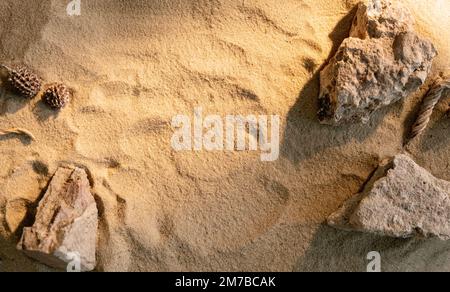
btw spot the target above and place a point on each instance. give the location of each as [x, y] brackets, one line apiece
[401, 200]
[381, 18]
[383, 62]
[65, 229]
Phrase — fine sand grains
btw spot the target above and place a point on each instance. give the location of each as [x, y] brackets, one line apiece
[134, 65]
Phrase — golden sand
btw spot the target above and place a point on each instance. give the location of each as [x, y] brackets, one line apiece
[135, 64]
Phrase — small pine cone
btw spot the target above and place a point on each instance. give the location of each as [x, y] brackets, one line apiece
[24, 81]
[56, 96]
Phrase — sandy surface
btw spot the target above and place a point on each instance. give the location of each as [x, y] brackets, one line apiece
[136, 64]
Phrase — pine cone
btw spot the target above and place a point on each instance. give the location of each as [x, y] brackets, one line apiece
[24, 81]
[56, 96]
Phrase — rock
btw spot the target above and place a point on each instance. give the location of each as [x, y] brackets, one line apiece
[381, 18]
[15, 213]
[382, 62]
[401, 200]
[65, 229]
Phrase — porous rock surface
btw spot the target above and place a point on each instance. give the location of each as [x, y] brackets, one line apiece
[65, 229]
[382, 62]
[401, 200]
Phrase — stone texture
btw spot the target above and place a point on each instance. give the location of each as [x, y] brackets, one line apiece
[401, 200]
[382, 62]
[66, 223]
[381, 18]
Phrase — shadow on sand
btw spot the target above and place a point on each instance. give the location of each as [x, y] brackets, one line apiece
[334, 250]
[304, 136]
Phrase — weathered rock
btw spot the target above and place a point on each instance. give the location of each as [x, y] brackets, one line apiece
[401, 200]
[65, 230]
[383, 62]
[381, 18]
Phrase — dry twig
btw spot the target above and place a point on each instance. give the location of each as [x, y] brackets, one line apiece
[18, 131]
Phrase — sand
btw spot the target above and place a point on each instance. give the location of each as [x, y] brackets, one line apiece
[135, 64]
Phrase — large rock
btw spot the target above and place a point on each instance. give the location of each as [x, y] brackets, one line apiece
[382, 62]
[65, 229]
[401, 200]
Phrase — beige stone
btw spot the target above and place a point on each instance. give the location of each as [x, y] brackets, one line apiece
[383, 62]
[401, 200]
[65, 230]
[381, 18]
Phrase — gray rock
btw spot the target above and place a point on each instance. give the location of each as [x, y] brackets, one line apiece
[401, 200]
[65, 229]
[383, 62]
